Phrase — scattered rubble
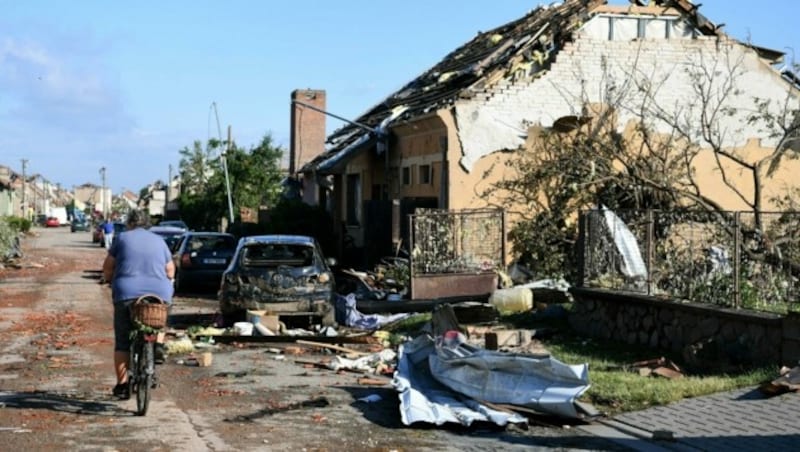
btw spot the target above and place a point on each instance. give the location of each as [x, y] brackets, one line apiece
[789, 381]
[659, 367]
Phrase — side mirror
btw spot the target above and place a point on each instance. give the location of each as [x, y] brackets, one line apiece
[331, 261]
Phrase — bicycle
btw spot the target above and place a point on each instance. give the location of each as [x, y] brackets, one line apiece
[149, 316]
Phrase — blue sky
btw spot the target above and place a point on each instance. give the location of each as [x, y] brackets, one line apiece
[125, 85]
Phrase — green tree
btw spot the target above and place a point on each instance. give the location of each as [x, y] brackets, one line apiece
[254, 174]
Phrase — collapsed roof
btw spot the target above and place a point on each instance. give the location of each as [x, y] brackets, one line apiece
[531, 42]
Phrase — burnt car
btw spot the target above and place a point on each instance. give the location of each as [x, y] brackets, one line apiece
[283, 274]
[200, 258]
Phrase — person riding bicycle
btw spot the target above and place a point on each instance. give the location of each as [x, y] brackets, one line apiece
[138, 263]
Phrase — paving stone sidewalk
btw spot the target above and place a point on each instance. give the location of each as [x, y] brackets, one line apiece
[741, 420]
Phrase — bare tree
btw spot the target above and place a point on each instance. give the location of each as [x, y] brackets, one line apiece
[652, 161]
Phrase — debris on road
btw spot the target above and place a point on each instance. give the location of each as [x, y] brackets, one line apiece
[789, 381]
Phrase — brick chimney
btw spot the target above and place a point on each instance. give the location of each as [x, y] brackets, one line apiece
[308, 127]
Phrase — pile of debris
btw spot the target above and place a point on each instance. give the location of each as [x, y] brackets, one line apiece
[788, 381]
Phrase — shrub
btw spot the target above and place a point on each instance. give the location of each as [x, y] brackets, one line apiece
[8, 238]
[19, 224]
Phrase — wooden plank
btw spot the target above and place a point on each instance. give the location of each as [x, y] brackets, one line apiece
[227, 339]
[332, 347]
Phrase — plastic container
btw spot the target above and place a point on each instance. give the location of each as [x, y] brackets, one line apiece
[514, 299]
[243, 328]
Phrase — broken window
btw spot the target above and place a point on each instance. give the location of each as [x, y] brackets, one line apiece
[425, 174]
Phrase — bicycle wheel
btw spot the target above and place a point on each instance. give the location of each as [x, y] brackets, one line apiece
[133, 365]
[144, 377]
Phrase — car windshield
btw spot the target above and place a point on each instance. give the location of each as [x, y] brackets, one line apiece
[174, 223]
[259, 255]
[211, 243]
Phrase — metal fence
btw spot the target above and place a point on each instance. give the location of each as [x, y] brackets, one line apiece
[456, 241]
[733, 259]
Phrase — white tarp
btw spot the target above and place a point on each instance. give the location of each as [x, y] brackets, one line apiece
[347, 313]
[446, 381]
[632, 263]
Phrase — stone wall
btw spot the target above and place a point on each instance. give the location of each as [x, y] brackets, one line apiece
[705, 336]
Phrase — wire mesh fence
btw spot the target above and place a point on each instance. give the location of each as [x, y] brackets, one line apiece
[732, 259]
[456, 241]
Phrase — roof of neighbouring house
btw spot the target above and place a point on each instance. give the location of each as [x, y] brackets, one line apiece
[488, 58]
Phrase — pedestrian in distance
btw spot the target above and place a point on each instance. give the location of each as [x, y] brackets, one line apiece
[138, 263]
[108, 233]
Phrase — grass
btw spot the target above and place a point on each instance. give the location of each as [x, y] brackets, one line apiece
[615, 387]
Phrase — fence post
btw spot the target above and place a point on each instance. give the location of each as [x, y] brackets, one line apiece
[649, 249]
[581, 247]
[737, 264]
[411, 257]
[503, 238]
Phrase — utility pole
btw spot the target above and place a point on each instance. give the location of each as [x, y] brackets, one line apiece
[169, 191]
[227, 181]
[24, 182]
[103, 192]
[35, 196]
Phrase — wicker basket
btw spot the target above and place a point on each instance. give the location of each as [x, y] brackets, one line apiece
[150, 311]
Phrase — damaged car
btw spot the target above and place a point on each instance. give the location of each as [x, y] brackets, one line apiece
[282, 274]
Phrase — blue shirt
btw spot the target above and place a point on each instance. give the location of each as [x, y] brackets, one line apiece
[108, 227]
[140, 268]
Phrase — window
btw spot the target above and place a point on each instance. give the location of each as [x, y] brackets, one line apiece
[353, 199]
[424, 174]
[406, 175]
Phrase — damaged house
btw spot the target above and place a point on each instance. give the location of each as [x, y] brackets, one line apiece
[444, 136]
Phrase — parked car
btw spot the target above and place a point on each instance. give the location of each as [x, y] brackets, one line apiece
[79, 224]
[52, 222]
[278, 273]
[170, 234]
[175, 224]
[201, 257]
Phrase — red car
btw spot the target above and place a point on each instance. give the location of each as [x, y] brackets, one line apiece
[51, 222]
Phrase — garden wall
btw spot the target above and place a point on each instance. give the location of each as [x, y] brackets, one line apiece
[706, 336]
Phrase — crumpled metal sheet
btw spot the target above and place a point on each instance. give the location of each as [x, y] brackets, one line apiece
[539, 382]
[424, 399]
[445, 380]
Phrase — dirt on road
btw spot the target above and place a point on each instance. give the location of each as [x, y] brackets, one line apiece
[56, 377]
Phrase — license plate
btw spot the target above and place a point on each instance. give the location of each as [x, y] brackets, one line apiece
[213, 261]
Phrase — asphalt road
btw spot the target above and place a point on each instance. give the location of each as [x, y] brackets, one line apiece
[56, 379]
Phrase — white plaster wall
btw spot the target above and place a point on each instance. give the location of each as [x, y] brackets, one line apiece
[590, 68]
